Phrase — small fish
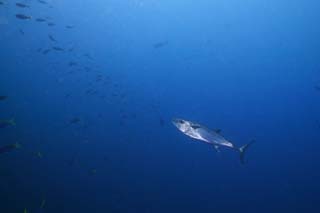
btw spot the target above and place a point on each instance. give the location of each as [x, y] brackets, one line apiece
[1, 3]
[40, 20]
[42, 2]
[51, 24]
[39, 154]
[92, 172]
[3, 97]
[58, 48]
[45, 52]
[160, 44]
[22, 16]
[88, 91]
[69, 27]
[72, 63]
[43, 203]
[52, 38]
[88, 56]
[206, 135]
[9, 148]
[7, 123]
[87, 69]
[21, 32]
[74, 120]
[22, 5]
[99, 78]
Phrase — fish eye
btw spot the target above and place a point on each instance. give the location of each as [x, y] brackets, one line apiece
[181, 121]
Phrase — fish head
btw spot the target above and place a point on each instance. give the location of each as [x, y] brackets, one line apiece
[181, 124]
[188, 128]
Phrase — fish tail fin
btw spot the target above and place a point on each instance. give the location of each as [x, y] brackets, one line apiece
[243, 150]
[12, 122]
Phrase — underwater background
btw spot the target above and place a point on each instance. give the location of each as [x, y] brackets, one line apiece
[88, 90]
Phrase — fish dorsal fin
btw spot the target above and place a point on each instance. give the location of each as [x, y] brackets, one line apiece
[217, 131]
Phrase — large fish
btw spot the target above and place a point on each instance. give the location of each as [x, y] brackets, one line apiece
[209, 136]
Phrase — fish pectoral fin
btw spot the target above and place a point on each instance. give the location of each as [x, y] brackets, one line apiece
[216, 147]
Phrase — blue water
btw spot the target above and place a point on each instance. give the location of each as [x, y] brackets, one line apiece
[94, 119]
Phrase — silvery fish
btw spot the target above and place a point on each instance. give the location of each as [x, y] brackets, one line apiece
[209, 136]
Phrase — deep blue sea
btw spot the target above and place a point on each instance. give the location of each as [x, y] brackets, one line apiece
[88, 91]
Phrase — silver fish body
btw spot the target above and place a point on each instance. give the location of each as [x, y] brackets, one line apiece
[202, 133]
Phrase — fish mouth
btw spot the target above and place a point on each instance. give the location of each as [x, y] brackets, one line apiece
[176, 121]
